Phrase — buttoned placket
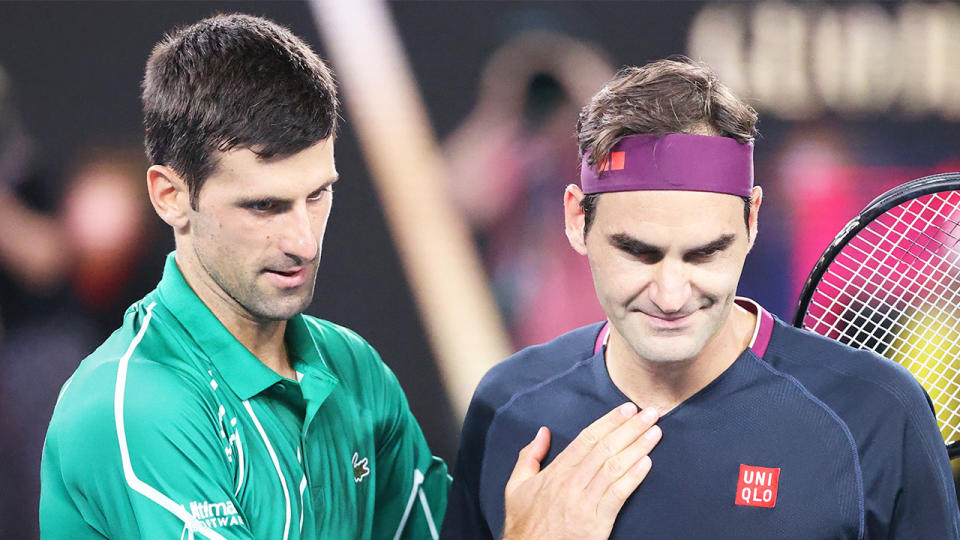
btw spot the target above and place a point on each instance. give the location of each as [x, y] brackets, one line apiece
[315, 386]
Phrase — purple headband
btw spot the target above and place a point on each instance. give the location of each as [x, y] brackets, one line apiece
[677, 161]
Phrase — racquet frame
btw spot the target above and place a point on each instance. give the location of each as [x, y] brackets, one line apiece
[905, 192]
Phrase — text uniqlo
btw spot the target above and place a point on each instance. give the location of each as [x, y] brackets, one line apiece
[757, 486]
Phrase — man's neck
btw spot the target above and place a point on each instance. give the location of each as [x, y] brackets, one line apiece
[264, 339]
[665, 385]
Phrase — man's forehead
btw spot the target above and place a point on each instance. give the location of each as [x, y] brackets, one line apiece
[671, 203]
[245, 156]
[669, 217]
[313, 165]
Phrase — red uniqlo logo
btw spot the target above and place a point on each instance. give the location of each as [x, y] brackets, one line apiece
[757, 486]
[616, 162]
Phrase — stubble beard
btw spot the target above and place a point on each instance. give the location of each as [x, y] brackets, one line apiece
[260, 305]
[664, 349]
[264, 306]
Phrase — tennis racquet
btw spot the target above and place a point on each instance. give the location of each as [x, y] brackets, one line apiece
[890, 282]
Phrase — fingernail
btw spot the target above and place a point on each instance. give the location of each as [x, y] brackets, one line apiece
[628, 409]
[650, 414]
[653, 433]
[540, 432]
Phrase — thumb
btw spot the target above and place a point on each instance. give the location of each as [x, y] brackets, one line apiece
[528, 462]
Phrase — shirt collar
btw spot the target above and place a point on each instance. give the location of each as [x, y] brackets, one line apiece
[763, 328]
[246, 375]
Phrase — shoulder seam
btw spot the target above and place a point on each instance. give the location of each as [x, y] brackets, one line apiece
[911, 413]
[133, 482]
[843, 426]
[890, 390]
[539, 385]
[517, 395]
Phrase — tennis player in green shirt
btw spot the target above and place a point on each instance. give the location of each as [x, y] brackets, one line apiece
[218, 410]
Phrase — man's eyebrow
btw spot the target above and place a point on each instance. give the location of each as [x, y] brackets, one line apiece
[330, 181]
[326, 184]
[638, 247]
[719, 244]
[632, 245]
[243, 201]
[252, 200]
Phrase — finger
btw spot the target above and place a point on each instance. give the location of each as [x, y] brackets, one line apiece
[574, 453]
[528, 461]
[620, 465]
[605, 454]
[612, 500]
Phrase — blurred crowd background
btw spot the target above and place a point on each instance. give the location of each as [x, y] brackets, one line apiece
[854, 98]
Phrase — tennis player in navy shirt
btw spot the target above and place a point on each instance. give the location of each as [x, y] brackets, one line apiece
[764, 431]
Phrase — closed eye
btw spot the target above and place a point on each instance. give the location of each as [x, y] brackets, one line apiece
[641, 251]
[705, 253]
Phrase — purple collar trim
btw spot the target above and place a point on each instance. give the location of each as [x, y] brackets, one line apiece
[602, 337]
[764, 328]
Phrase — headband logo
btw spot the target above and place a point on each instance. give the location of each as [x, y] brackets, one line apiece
[615, 162]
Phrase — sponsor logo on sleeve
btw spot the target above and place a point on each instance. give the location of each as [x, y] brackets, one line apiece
[757, 486]
[214, 515]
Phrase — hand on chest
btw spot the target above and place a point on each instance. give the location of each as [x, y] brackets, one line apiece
[745, 458]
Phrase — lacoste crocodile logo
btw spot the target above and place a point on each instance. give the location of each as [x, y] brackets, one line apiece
[360, 469]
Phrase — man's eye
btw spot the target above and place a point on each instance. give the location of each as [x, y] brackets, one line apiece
[702, 256]
[262, 206]
[649, 258]
[317, 195]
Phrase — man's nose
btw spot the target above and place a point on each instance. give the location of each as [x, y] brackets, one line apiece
[298, 239]
[670, 288]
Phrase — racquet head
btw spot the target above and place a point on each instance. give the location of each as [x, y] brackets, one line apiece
[890, 282]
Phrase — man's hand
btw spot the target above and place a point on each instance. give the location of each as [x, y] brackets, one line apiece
[581, 492]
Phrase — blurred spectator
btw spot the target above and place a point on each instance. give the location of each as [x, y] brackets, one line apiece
[510, 161]
[110, 229]
[813, 164]
[14, 154]
[827, 176]
[14, 144]
[82, 267]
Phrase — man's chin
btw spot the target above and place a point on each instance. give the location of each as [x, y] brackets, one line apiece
[669, 350]
[282, 310]
[668, 358]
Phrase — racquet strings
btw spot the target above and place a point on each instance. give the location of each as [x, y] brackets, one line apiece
[895, 289]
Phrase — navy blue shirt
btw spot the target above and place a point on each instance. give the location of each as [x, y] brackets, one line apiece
[810, 439]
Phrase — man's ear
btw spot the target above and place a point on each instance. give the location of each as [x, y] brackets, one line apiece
[169, 195]
[574, 218]
[756, 197]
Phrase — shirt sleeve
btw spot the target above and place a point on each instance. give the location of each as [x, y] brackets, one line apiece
[121, 462]
[464, 518]
[926, 506]
[411, 484]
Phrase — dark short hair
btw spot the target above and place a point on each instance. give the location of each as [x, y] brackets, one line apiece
[675, 95]
[233, 81]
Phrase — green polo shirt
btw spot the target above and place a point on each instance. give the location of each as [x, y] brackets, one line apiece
[173, 429]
